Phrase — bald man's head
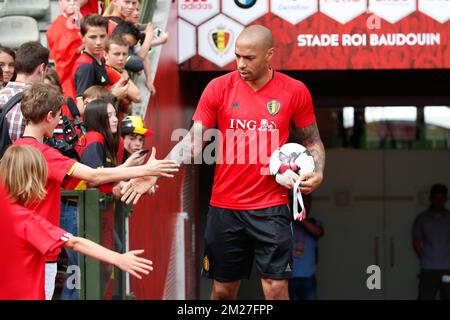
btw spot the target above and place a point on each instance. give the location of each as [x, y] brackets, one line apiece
[257, 34]
[254, 50]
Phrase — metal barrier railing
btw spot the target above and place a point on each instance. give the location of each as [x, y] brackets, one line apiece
[91, 207]
[122, 213]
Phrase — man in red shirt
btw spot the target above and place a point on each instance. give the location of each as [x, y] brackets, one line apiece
[253, 108]
[41, 108]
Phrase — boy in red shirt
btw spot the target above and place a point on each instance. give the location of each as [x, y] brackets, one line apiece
[116, 57]
[41, 108]
[28, 238]
[118, 13]
[89, 69]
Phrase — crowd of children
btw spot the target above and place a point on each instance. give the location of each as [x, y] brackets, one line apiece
[94, 57]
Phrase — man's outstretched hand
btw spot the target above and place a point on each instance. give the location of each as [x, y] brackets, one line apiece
[135, 188]
[161, 168]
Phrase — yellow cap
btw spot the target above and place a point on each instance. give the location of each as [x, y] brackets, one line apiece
[134, 124]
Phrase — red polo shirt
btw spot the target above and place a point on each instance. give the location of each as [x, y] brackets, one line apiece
[253, 125]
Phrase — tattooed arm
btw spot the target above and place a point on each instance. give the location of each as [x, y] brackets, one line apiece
[191, 145]
[183, 152]
[310, 138]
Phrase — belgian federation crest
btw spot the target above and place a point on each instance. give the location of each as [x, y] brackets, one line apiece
[273, 106]
[220, 39]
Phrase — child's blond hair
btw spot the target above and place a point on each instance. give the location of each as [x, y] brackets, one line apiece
[23, 171]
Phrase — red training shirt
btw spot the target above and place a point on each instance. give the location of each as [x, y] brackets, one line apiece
[64, 43]
[114, 76]
[58, 167]
[91, 7]
[113, 22]
[93, 153]
[259, 121]
[87, 72]
[27, 239]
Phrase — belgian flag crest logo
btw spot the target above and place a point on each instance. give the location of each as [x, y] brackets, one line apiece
[273, 106]
[220, 39]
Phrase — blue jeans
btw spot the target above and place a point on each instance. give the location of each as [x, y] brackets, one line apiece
[69, 222]
[303, 288]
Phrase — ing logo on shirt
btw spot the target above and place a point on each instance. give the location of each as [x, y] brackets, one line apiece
[273, 106]
[253, 125]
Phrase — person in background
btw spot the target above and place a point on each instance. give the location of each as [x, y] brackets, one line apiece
[97, 92]
[117, 50]
[41, 109]
[27, 238]
[117, 13]
[133, 133]
[100, 150]
[69, 206]
[159, 36]
[431, 242]
[89, 69]
[89, 7]
[52, 77]
[65, 43]
[7, 64]
[31, 67]
[135, 16]
[306, 233]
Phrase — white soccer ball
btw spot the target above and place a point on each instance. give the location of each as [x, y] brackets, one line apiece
[289, 162]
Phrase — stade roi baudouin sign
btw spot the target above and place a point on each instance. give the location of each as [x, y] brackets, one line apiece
[319, 34]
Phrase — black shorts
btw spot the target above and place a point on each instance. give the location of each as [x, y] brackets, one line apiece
[234, 237]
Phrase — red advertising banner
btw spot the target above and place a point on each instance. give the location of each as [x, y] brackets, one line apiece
[319, 34]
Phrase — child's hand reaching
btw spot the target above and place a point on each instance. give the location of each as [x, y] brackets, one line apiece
[134, 265]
